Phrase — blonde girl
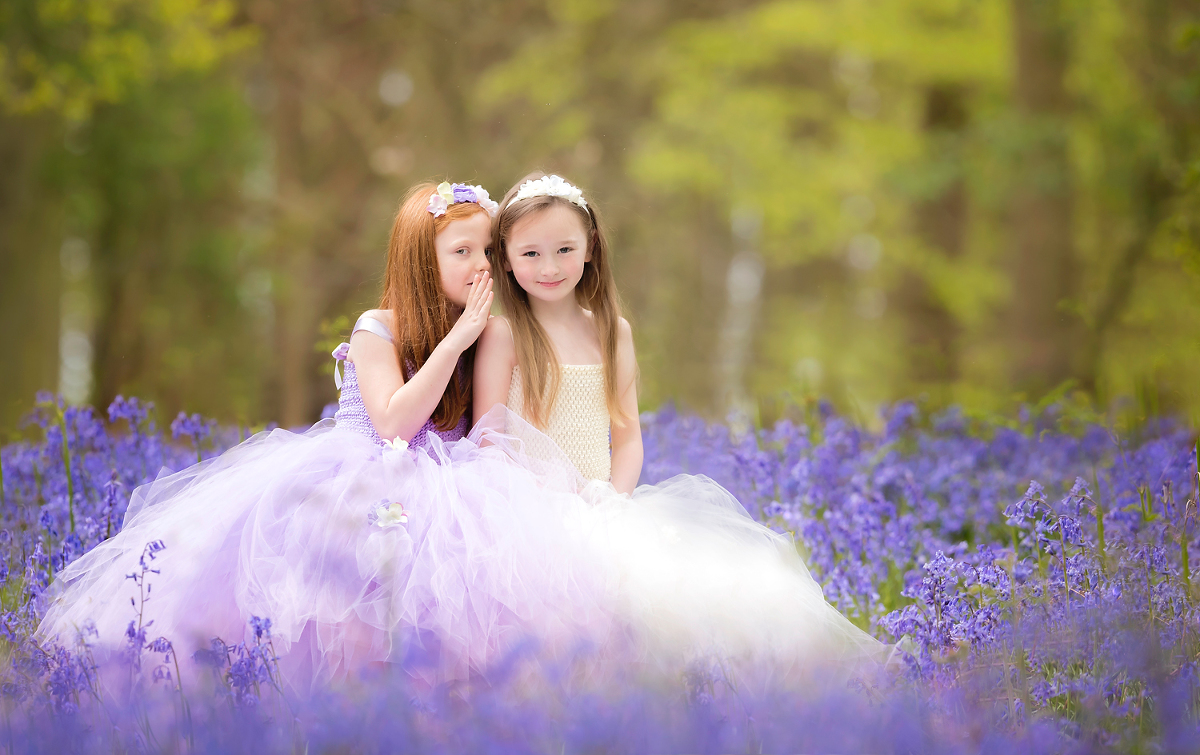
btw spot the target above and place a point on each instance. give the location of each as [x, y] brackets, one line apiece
[562, 322]
[695, 574]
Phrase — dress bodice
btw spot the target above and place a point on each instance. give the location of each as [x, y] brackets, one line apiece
[578, 422]
[352, 412]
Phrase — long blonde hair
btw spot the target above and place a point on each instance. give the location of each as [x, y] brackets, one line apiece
[596, 292]
[412, 290]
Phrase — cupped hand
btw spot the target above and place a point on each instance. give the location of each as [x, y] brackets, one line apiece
[474, 316]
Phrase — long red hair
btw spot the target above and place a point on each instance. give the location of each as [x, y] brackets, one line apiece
[412, 291]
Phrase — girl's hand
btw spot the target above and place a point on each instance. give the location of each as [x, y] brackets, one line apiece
[474, 316]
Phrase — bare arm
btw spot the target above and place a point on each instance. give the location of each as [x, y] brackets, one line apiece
[398, 408]
[494, 362]
[627, 438]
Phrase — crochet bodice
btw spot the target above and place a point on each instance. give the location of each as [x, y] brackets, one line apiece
[352, 412]
[578, 422]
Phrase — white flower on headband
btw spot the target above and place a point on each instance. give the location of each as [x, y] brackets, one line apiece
[448, 194]
[550, 186]
[490, 206]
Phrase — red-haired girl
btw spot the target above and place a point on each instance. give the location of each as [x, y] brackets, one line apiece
[380, 537]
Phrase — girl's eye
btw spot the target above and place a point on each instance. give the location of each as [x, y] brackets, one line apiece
[464, 250]
[564, 250]
[529, 254]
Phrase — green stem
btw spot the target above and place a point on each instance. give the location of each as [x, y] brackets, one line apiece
[1103, 547]
[187, 709]
[66, 454]
[50, 555]
[1062, 541]
[1150, 593]
[1183, 556]
[1183, 532]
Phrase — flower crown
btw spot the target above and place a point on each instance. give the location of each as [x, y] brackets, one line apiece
[550, 186]
[448, 194]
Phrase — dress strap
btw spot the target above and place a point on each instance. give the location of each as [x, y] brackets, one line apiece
[371, 325]
[367, 323]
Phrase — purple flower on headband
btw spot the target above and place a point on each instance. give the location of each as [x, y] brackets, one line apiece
[448, 194]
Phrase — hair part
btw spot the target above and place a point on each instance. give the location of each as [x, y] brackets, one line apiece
[412, 290]
[596, 292]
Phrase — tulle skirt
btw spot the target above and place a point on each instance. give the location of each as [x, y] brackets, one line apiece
[444, 560]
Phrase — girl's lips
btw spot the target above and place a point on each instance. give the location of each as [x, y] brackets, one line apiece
[544, 284]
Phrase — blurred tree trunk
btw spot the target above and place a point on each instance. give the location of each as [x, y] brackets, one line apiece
[295, 46]
[295, 320]
[1162, 66]
[677, 295]
[1045, 333]
[941, 222]
[30, 271]
[123, 268]
[1151, 198]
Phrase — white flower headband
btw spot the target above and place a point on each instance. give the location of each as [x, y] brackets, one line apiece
[550, 186]
[448, 194]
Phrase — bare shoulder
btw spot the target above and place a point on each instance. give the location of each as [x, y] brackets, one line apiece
[624, 336]
[497, 329]
[497, 339]
[624, 330]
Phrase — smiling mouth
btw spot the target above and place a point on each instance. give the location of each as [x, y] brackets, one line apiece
[546, 284]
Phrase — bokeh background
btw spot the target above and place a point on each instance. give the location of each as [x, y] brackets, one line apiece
[962, 201]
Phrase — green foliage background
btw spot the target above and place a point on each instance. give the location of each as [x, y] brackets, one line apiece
[961, 200]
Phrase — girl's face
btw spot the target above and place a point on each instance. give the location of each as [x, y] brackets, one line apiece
[546, 252]
[462, 249]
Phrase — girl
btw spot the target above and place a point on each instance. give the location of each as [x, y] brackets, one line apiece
[563, 330]
[360, 550]
[697, 575]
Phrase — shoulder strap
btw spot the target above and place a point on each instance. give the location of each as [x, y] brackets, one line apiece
[373, 326]
[369, 324]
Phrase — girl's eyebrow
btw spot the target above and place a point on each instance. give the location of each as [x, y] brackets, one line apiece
[556, 244]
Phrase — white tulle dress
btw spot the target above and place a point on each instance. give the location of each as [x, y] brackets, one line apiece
[696, 577]
[444, 555]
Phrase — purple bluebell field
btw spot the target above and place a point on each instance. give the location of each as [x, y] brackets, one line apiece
[1033, 572]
